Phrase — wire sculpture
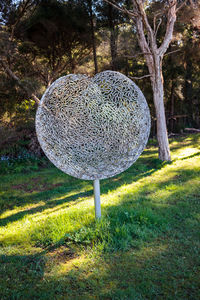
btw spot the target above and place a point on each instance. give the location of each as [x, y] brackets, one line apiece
[93, 128]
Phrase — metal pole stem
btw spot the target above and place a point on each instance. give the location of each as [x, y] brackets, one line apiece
[97, 201]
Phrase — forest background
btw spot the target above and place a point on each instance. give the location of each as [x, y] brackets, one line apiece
[146, 245]
[41, 40]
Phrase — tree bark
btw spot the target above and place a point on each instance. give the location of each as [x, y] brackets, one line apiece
[71, 62]
[93, 36]
[113, 38]
[154, 64]
[158, 98]
[188, 89]
[172, 98]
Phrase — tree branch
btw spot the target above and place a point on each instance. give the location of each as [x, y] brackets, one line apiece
[22, 8]
[13, 76]
[172, 52]
[143, 43]
[192, 3]
[124, 10]
[159, 23]
[171, 18]
[151, 33]
[181, 5]
[138, 78]
[141, 53]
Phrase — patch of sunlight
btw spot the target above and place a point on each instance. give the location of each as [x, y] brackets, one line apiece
[20, 230]
[186, 141]
[29, 206]
[187, 188]
[160, 195]
[67, 195]
[64, 208]
[84, 263]
[64, 267]
[136, 187]
[152, 183]
[171, 187]
[184, 153]
[152, 250]
[16, 209]
[20, 250]
[160, 185]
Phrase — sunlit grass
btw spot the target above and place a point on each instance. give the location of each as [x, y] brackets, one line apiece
[145, 247]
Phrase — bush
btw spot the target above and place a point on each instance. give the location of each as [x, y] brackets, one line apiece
[23, 164]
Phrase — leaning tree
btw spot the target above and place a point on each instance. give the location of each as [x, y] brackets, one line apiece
[147, 25]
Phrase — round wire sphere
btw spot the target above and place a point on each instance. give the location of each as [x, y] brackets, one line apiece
[93, 128]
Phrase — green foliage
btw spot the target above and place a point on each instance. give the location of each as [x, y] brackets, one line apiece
[18, 138]
[120, 229]
[56, 32]
[25, 164]
[49, 38]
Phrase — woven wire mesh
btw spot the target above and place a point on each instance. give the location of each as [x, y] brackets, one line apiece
[93, 128]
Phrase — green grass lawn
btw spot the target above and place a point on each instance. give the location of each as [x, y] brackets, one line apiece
[146, 245]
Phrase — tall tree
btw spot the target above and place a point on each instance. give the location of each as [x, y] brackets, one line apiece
[90, 7]
[153, 49]
[49, 37]
[181, 71]
[110, 18]
[59, 33]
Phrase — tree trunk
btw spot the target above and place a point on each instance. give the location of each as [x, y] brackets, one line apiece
[172, 107]
[93, 36]
[158, 97]
[113, 38]
[154, 64]
[188, 89]
[153, 57]
[71, 62]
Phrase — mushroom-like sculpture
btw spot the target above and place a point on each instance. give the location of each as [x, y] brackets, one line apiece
[93, 128]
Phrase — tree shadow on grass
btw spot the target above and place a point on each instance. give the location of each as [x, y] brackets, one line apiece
[142, 168]
[163, 266]
[191, 156]
[73, 200]
[21, 274]
[185, 140]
